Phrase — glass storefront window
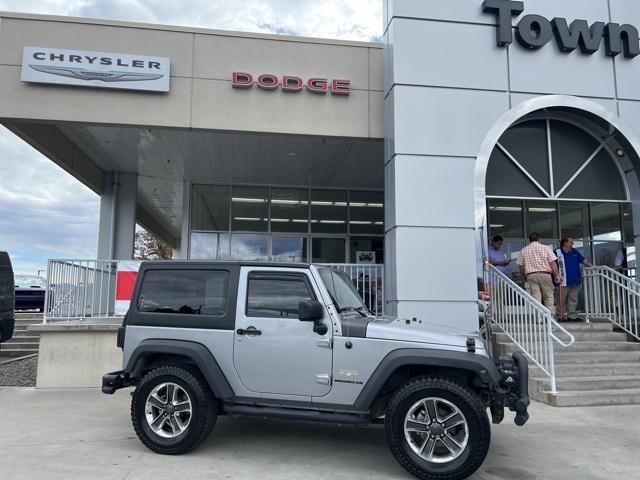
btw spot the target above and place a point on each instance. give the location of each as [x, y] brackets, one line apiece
[249, 247]
[542, 218]
[366, 244]
[328, 211]
[605, 218]
[328, 250]
[289, 210]
[505, 218]
[249, 209]
[210, 207]
[627, 223]
[366, 212]
[288, 249]
[210, 246]
[574, 220]
[606, 252]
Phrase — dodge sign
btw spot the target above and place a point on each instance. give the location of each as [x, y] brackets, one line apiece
[95, 69]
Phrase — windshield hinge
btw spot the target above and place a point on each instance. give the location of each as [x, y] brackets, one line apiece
[325, 343]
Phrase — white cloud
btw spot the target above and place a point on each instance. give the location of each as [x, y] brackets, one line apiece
[344, 19]
[46, 213]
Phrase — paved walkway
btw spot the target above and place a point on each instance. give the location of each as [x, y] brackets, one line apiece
[82, 434]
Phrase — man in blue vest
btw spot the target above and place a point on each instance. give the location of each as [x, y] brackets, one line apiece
[569, 261]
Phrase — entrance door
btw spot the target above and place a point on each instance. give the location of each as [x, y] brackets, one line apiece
[286, 356]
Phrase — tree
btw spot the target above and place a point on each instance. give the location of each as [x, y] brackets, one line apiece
[148, 247]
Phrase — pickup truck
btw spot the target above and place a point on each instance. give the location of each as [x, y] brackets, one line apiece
[296, 341]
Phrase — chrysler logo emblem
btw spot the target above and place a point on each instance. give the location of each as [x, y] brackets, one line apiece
[84, 74]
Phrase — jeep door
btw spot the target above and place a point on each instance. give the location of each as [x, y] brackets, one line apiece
[275, 352]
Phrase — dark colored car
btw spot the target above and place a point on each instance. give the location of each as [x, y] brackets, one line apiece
[6, 298]
[30, 292]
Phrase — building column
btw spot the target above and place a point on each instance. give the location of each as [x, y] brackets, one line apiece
[181, 250]
[118, 216]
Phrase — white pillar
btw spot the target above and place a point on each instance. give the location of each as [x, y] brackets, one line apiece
[118, 216]
[181, 249]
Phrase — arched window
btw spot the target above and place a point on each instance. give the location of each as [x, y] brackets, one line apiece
[554, 159]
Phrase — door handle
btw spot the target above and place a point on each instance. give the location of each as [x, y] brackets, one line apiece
[249, 331]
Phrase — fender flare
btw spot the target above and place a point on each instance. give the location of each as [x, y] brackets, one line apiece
[196, 352]
[479, 365]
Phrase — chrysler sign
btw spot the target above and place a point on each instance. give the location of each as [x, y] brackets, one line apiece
[95, 69]
[536, 31]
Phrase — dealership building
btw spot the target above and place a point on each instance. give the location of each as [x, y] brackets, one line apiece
[470, 119]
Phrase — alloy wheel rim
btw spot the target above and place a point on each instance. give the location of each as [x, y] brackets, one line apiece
[168, 410]
[436, 430]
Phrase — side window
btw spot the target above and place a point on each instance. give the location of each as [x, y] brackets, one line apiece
[187, 292]
[276, 295]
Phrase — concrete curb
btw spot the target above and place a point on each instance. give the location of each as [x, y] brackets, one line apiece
[16, 359]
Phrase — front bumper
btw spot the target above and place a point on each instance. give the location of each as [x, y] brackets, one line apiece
[115, 381]
[513, 389]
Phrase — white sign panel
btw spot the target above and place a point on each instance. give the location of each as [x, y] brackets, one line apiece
[366, 257]
[95, 69]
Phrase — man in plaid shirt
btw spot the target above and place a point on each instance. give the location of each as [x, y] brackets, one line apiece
[538, 263]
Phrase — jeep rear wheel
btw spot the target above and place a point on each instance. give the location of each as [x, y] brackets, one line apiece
[173, 410]
[437, 429]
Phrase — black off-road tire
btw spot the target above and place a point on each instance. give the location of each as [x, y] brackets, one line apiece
[464, 399]
[204, 409]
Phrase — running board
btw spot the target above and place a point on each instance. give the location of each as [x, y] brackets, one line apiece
[297, 414]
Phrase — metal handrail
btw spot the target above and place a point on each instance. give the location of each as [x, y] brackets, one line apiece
[612, 296]
[528, 323]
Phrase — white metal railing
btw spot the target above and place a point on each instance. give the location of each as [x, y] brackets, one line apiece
[369, 281]
[528, 323]
[87, 288]
[612, 296]
[79, 289]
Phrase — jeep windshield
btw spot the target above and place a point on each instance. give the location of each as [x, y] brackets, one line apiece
[344, 295]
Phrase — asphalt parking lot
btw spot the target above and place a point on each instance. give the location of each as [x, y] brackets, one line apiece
[83, 434]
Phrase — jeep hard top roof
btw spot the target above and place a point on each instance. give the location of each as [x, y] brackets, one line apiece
[201, 263]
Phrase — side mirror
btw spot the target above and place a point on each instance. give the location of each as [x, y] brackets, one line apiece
[310, 311]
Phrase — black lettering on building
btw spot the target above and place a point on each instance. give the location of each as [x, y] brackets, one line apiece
[53, 57]
[503, 11]
[534, 31]
[105, 61]
[39, 55]
[155, 65]
[621, 39]
[75, 58]
[579, 34]
[91, 59]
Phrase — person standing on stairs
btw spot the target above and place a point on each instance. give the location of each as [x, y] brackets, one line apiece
[569, 262]
[539, 266]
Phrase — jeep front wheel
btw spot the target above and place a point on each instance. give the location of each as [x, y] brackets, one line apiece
[172, 410]
[437, 429]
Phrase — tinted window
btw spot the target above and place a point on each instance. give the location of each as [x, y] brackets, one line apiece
[191, 292]
[276, 296]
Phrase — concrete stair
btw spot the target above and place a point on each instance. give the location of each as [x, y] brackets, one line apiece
[24, 341]
[601, 368]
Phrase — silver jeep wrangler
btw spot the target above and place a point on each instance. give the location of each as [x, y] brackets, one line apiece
[203, 339]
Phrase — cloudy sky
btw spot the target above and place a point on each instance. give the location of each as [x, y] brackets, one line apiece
[46, 213]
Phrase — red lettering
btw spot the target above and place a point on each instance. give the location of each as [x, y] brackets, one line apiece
[341, 87]
[241, 80]
[268, 81]
[317, 85]
[292, 84]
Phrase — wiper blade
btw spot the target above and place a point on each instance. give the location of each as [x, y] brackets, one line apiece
[364, 311]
